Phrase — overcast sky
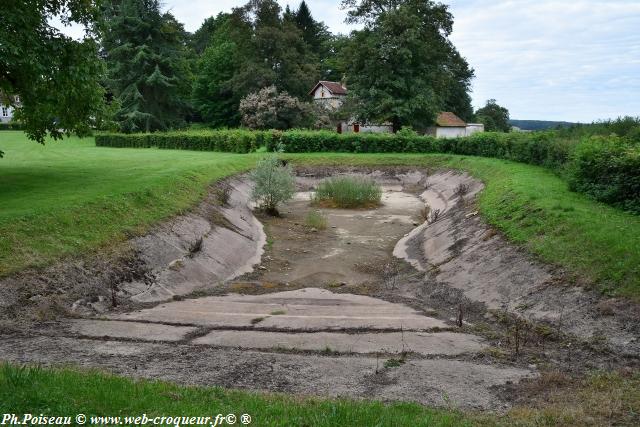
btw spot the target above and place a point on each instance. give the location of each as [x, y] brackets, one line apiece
[575, 60]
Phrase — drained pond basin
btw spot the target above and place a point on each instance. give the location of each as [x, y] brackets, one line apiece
[394, 302]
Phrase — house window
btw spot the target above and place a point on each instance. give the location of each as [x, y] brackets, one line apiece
[17, 99]
[322, 93]
[5, 112]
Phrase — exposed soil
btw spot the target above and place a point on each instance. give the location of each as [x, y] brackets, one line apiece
[202, 299]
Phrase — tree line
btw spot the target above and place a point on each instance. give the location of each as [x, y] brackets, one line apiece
[138, 70]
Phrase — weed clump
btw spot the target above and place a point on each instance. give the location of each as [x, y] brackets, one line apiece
[195, 247]
[461, 189]
[394, 363]
[429, 215]
[223, 194]
[348, 192]
[315, 219]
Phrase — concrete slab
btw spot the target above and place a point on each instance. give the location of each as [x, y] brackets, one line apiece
[441, 196]
[129, 330]
[305, 309]
[438, 381]
[428, 344]
[372, 322]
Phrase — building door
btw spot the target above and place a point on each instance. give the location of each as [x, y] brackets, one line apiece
[356, 127]
[339, 128]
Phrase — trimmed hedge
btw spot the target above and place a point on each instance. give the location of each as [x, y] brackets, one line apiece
[605, 168]
[232, 141]
[11, 126]
[535, 148]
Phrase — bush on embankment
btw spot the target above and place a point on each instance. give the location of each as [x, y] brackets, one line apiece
[605, 168]
[608, 169]
[232, 141]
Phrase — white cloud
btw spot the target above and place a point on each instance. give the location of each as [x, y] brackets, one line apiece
[553, 59]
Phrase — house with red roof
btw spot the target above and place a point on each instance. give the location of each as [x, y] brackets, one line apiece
[332, 95]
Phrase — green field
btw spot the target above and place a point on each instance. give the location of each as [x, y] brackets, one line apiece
[70, 198]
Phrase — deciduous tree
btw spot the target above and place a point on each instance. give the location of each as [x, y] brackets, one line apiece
[402, 67]
[255, 47]
[279, 55]
[56, 77]
[203, 37]
[216, 97]
[494, 117]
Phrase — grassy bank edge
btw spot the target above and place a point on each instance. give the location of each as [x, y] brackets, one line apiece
[68, 392]
[601, 398]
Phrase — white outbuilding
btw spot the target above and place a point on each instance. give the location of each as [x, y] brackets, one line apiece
[448, 125]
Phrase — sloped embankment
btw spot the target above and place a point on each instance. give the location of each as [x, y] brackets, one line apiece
[210, 244]
[461, 251]
[200, 249]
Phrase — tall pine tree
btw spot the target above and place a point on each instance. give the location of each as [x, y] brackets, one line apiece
[314, 33]
[320, 41]
[148, 70]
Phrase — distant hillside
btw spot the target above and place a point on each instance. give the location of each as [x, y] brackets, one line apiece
[538, 124]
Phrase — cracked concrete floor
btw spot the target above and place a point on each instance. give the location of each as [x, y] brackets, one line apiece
[310, 341]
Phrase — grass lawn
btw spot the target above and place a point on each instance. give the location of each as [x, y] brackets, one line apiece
[68, 392]
[70, 197]
[600, 399]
